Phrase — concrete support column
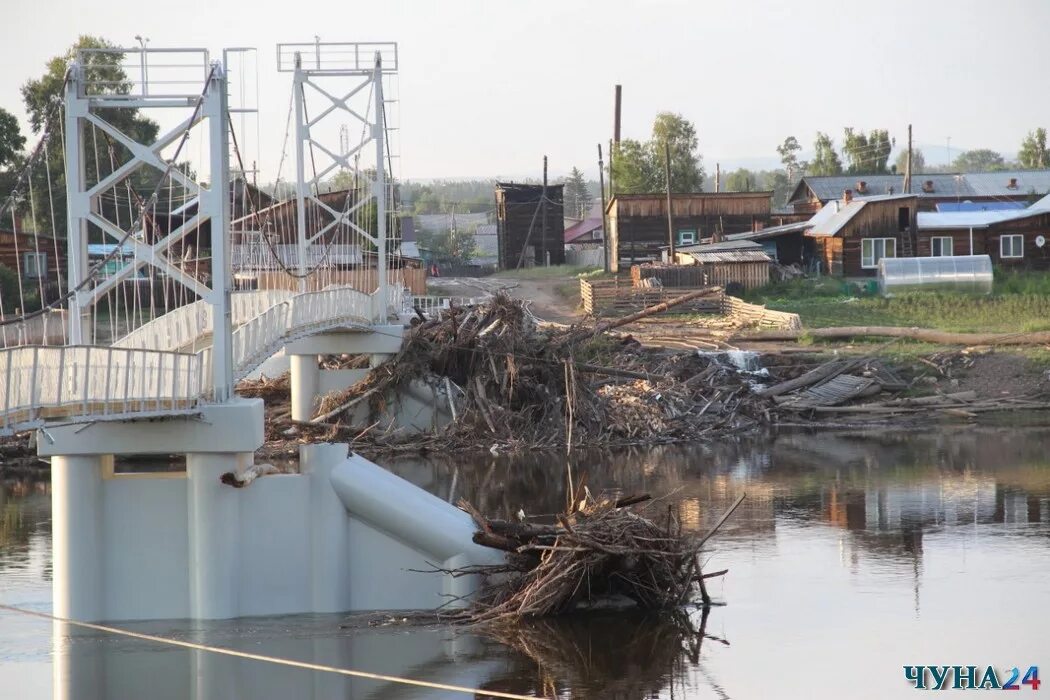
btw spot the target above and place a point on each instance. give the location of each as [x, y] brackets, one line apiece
[214, 529]
[330, 534]
[306, 377]
[76, 522]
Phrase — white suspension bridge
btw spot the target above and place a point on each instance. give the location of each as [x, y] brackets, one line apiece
[150, 275]
[149, 314]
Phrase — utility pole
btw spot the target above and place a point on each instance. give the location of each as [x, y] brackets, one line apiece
[605, 222]
[614, 146]
[907, 166]
[670, 219]
[543, 210]
[718, 177]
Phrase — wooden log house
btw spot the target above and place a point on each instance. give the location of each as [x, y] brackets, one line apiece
[638, 222]
[527, 232]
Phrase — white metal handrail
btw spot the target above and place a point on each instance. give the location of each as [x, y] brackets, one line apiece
[38, 383]
[181, 328]
[41, 382]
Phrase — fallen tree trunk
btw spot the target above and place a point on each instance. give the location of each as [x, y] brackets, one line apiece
[928, 335]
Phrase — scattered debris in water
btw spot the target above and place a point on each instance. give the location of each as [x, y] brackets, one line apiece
[600, 550]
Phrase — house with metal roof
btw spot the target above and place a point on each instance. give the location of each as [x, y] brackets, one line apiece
[852, 235]
[1013, 239]
[1022, 186]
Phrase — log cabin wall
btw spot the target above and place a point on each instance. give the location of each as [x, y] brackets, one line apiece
[519, 224]
[988, 241]
[638, 222]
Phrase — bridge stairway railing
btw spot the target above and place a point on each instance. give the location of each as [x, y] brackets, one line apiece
[38, 382]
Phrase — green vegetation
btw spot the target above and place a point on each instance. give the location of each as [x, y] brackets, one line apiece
[1020, 303]
[552, 272]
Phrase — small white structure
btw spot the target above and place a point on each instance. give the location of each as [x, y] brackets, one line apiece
[946, 273]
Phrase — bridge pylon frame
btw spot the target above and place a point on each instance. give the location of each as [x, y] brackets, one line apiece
[205, 96]
[363, 65]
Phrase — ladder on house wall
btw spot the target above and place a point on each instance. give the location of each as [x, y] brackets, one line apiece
[907, 248]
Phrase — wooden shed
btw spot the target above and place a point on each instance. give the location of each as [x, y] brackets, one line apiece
[726, 264]
[852, 235]
[529, 229]
[638, 222]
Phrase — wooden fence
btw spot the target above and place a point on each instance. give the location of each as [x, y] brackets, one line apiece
[621, 296]
[748, 274]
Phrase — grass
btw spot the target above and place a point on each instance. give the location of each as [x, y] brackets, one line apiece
[542, 273]
[1020, 302]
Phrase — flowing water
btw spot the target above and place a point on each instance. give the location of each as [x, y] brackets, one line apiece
[852, 556]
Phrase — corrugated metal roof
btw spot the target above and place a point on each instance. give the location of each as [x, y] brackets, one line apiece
[994, 184]
[769, 232]
[582, 228]
[839, 214]
[724, 245]
[979, 219]
[730, 256]
[979, 206]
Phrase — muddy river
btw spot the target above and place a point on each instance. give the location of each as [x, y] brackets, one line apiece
[852, 557]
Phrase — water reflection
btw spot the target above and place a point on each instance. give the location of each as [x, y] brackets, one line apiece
[859, 552]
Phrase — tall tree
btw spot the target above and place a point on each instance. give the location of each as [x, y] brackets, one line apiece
[867, 154]
[687, 169]
[741, 180]
[1033, 153]
[633, 169]
[11, 140]
[825, 160]
[578, 198]
[639, 167]
[918, 162]
[789, 151]
[979, 160]
[41, 94]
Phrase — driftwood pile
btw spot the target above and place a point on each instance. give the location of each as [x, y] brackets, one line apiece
[600, 550]
[509, 382]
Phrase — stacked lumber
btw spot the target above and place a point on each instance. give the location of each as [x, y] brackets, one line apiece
[621, 295]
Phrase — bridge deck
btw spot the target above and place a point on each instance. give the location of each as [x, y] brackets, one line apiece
[145, 373]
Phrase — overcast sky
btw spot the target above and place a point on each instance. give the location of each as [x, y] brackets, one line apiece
[488, 87]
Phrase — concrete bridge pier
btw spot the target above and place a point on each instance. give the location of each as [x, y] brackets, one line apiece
[310, 382]
[120, 540]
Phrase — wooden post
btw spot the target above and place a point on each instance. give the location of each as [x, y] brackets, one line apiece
[670, 218]
[605, 221]
[544, 260]
[718, 177]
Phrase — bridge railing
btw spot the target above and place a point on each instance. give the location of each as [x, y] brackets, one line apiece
[180, 328]
[37, 382]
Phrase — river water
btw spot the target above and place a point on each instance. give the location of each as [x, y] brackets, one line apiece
[852, 556]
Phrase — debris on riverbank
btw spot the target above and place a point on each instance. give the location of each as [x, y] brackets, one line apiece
[600, 550]
[509, 383]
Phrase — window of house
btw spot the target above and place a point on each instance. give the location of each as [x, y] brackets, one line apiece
[34, 265]
[686, 236]
[941, 245]
[1011, 246]
[874, 249]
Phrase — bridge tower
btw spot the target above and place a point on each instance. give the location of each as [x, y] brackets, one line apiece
[98, 86]
[347, 78]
